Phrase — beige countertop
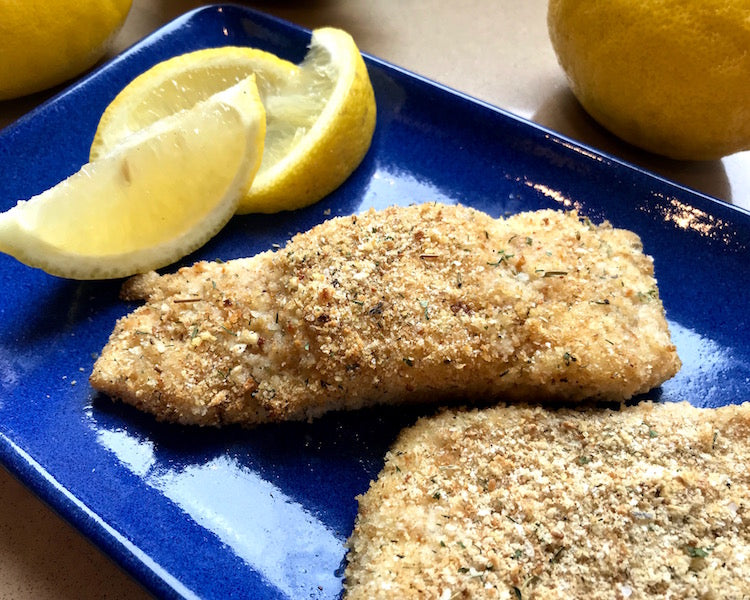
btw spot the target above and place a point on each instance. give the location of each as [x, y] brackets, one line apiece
[495, 50]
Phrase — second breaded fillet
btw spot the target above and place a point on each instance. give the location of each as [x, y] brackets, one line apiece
[652, 501]
[423, 303]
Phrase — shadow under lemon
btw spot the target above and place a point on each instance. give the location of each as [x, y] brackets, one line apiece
[563, 113]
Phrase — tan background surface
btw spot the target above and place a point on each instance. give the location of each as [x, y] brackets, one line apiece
[495, 50]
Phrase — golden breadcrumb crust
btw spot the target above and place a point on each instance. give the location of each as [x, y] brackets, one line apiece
[515, 502]
[406, 304]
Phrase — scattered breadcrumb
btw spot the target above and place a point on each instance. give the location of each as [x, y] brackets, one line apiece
[418, 303]
[519, 502]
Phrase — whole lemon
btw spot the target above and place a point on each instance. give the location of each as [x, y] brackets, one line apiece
[44, 43]
[669, 76]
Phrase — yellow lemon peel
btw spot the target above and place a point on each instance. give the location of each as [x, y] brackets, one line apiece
[670, 77]
[45, 43]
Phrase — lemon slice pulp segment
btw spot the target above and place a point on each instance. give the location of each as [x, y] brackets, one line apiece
[158, 195]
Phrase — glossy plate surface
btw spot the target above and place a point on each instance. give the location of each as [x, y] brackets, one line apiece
[265, 513]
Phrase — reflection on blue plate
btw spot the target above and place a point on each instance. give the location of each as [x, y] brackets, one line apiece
[265, 513]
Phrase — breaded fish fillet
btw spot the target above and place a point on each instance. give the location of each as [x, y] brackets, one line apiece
[421, 303]
[652, 501]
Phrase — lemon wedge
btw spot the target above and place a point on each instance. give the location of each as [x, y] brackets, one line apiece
[158, 195]
[320, 115]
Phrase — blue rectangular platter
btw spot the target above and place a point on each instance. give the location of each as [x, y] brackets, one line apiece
[265, 513]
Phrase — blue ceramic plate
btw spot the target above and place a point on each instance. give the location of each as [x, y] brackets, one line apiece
[265, 513]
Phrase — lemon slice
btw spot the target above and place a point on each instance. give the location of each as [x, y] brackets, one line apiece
[157, 196]
[181, 82]
[320, 114]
